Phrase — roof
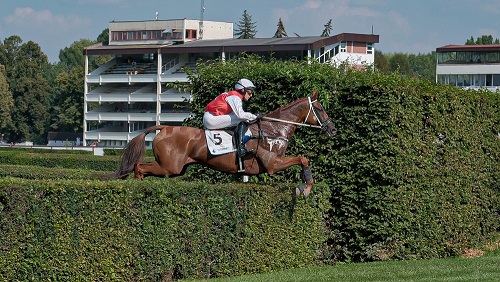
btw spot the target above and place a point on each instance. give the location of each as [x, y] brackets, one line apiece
[234, 45]
[469, 48]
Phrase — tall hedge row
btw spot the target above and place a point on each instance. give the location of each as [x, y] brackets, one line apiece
[153, 230]
[414, 167]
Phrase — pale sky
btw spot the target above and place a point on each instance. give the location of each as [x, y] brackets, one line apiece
[404, 26]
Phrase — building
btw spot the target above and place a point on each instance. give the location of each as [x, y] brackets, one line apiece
[66, 139]
[469, 66]
[128, 93]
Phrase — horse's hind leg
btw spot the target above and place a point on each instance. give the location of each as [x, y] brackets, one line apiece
[146, 169]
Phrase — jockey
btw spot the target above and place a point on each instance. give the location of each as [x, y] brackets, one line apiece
[226, 110]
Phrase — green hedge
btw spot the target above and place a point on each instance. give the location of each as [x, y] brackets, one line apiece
[103, 163]
[44, 151]
[154, 230]
[414, 166]
[38, 172]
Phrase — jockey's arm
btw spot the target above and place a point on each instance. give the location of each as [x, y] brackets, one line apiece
[236, 104]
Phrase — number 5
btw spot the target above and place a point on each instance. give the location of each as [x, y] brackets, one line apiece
[217, 139]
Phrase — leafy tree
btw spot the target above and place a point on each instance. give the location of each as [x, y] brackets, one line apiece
[8, 52]
[25, 64]
[484, 39]
[280, 32]
[398, 62]
[7, 101]
[67, 109]
[423, 66]
[381, 62]
[420, 66]
[246, 28]
[328, 29]
[104, 37]
[71, 57]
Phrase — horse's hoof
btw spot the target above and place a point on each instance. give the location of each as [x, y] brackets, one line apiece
[306, 193]
[307, 190]
[299, 190]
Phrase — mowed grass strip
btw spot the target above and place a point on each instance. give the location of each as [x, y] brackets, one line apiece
[485, 268]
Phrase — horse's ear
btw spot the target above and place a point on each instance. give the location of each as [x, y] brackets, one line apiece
[314, 96]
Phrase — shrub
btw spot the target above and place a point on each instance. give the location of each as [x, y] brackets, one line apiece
[154, 230]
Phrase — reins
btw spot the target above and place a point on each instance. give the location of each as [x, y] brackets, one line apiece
[291, 122]
[322, 123]
[311, 109]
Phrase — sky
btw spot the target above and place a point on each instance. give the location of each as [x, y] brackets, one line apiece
[404, 26]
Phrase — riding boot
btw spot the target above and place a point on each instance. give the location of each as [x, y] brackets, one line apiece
[240, 132]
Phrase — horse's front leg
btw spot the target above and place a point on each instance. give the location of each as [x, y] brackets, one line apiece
[306, 187]
[282, 163]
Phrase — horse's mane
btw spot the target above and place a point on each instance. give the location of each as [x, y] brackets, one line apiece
[285, 107]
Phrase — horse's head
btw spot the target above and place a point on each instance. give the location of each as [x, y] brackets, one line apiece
[319, 116]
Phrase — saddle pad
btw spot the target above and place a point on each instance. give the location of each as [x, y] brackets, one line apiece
[219, 142]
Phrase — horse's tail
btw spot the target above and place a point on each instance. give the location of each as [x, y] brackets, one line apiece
[134, 152]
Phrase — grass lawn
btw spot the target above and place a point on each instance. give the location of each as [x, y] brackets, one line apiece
[485, 268]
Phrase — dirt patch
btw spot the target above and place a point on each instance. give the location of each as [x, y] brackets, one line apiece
[472, 253]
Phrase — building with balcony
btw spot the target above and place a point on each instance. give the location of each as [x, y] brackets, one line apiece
[469, 66]
[129, 92]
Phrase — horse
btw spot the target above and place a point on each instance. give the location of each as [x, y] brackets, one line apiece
[176, 147]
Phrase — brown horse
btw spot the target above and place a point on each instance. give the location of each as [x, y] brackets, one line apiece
[175, 147]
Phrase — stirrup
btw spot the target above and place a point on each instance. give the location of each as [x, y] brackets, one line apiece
[243, 152]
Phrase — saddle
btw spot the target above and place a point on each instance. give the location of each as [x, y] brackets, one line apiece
[221, 141]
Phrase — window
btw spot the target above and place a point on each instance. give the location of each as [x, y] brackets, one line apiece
[369, 48]
[443, 79]
[479, 80]
[489, 79]
[453, 80]
[343, 46]
[492, 57]
[496, 80]
[191, 33]
[464, 80]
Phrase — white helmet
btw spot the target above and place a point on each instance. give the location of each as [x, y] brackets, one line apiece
[244, 84]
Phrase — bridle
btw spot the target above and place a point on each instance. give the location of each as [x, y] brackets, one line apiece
[323, 124]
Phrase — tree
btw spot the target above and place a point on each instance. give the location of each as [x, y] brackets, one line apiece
[25, 65]
[423, 66]
[72, 56]
[67, 103]
[246, 28]
[398, 62]
[328, 29]
[7, 101]
[280, 32]
[484, 39]
[104, 37]
[381, 62]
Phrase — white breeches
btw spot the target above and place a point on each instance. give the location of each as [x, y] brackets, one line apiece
[216, 122]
